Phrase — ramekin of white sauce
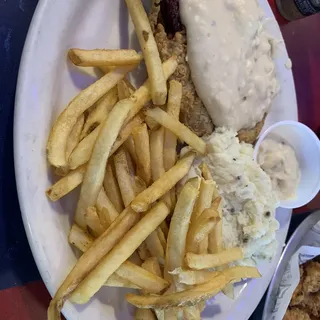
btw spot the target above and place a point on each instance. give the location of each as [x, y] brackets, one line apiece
[293, 165]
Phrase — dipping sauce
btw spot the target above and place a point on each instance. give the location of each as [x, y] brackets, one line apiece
[230, 57]
[279, 161]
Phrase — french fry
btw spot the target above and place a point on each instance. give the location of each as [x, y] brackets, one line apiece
[143, 252]
[125, 176]
[141, 141]
[80, 238]
[95, 172]
[126, 272]
[205, 261]
[192, 277]
[152, 125]
[179, 129]
[144, 279]
[205, 171]
[164, 228]
[154, 245]
[143, 95]
[191, 313]
[99, 248]
[100, 112]
[162, 239]
[160, 187]
[93, 222]
[152, 264]
[140, 185]
[176, 242]
[120, 253]
[103, 57]
[125, 89]
[156, 153]
[106, 210]
[173, 109]
[198, 232]
[57, 142]
[144, 314]
[74, 136]
[119, 282]
[195, 294]
[66, 184]
[150, 51]
[126, 131]
[205, 198]
[130, 146]
[111, 187]
[82, 152]
[215, 239]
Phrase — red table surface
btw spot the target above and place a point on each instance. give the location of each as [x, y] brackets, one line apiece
[302, 38]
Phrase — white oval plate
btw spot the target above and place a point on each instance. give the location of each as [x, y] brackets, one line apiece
[47, 82]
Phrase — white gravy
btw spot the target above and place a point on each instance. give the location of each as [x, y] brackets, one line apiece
[230, 58]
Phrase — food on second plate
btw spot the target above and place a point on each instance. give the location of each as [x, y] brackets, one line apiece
[249, 201]
[279, 161]
[305, 301]
[234, 89]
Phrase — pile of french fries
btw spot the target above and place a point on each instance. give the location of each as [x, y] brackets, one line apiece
[131, 225]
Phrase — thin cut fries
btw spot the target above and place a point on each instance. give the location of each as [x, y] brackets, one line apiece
[100, 112]
[199, 230]
[66, 184]
[140, 185]
[125, 89]
[116, 281]
[205, 198]
[195, 294]
[156, 153]
[103, 57]
[94, 176]
[81, 154]
[142, 277]
[179, 129]
[80, 238]
[126, 131]
[154, 245]
[142, 148]
[83, 151]
[111, 186]
[160, 187]
[143, 251]
[130, 146]
[176, 242]
[144, 314]
[106, 210]
[205, 171]
[150, 51]
[143, 95]
[173, 109]
[62, 128]
[90, 258]
[125, 177]
[93, 222]
[152, 265]
[162, 239]
[120, 253]
[128, 274]
[192, 277]
[205, 261]
[74, 137]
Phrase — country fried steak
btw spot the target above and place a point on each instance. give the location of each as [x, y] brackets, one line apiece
[170, 35]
